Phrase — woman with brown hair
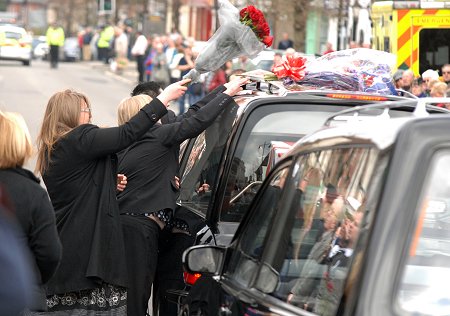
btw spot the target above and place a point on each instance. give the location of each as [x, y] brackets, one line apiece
[29, 203]
[78, 164]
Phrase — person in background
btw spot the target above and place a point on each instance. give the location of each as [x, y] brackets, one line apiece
[286, 42]
[55, 40]
[417, 88]
[218, 78]
[234, 74]
[93, 44]
[30, 204]
[407, 78]
[16, 274]
[80, 43]
[131, 36]
[160, 70]
[244, 63]
[290, 52]
[171, 51]
[147, 204]
[138, 51]
[328, 49]
[87, 38]
[150, 88]
[438, 90]
[398, 79]
[429, 77]
[184, 66]
[446, 74]
[120, 49]
[78, 163]
[104, 42]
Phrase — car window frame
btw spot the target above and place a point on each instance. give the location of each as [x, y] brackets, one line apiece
[304, 106]
[402, 265]
[247, 220]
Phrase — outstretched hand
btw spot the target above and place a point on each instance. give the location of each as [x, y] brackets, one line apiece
[235, 85]
[173, 91]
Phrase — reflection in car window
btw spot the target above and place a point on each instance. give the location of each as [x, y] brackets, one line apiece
[245, 260]
[257, 143]
[202, 165]
[323, 228]
[424, 284]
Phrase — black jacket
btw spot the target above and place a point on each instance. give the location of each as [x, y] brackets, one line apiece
[152, 163]
[36, 218]
[81, 181]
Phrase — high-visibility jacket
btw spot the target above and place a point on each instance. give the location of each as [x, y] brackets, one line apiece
[105, 37]
[55, 36]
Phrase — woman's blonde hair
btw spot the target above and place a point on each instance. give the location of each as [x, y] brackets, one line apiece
[15, 140]
[130, 106]
[61, 116]
[438, 89]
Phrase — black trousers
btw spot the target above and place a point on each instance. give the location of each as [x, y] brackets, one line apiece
[141, 248]
[169, 273]
[54, 55]
[140, 67]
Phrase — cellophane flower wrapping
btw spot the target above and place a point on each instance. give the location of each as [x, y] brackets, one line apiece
[232, 39]
[358, 69]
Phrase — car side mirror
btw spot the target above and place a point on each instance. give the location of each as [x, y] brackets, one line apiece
[268, 279]
[206, 259]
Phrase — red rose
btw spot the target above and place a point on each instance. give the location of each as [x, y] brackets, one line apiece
[256, 17]
[264, 29]
[268, 40]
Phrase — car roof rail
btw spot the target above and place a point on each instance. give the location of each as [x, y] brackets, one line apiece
[406, 94]
[270, 87]
[421, 108]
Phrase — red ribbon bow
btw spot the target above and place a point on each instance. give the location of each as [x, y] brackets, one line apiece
[293, 66]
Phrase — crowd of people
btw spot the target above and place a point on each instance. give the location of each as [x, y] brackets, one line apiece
[428, 84]
[91, 239]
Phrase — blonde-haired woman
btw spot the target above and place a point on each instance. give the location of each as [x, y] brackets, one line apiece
[30, 201]
[78, 164]
[148, 202]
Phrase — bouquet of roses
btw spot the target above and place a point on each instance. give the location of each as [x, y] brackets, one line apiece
[244, 32]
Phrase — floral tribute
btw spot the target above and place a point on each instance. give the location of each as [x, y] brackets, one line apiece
[359, 69]
[292, 67]
[254, 18]
[241, 33]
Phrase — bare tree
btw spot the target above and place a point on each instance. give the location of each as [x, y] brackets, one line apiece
[176, 4]
[300, 16]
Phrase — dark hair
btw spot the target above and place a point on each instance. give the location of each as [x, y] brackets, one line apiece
[149, 88]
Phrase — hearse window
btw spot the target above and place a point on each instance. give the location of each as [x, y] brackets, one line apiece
[245, 260]
[325, 217]
[424, 285]
[268, 133]
[202, 165]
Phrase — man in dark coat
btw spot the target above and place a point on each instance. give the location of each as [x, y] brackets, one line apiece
[286, 42]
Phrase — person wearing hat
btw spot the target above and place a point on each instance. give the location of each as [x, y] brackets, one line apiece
[398, 79]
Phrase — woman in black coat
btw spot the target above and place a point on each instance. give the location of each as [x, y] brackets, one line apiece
[78, 164]
[148, 201]
[29, 203]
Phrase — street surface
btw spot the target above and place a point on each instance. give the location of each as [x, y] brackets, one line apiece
[27, 90]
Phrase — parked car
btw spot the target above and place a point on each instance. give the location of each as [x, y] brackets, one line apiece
[70, 51]
[264, 60]
[352, 221]
[222, 169]
[16, 44]
[39, 47]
